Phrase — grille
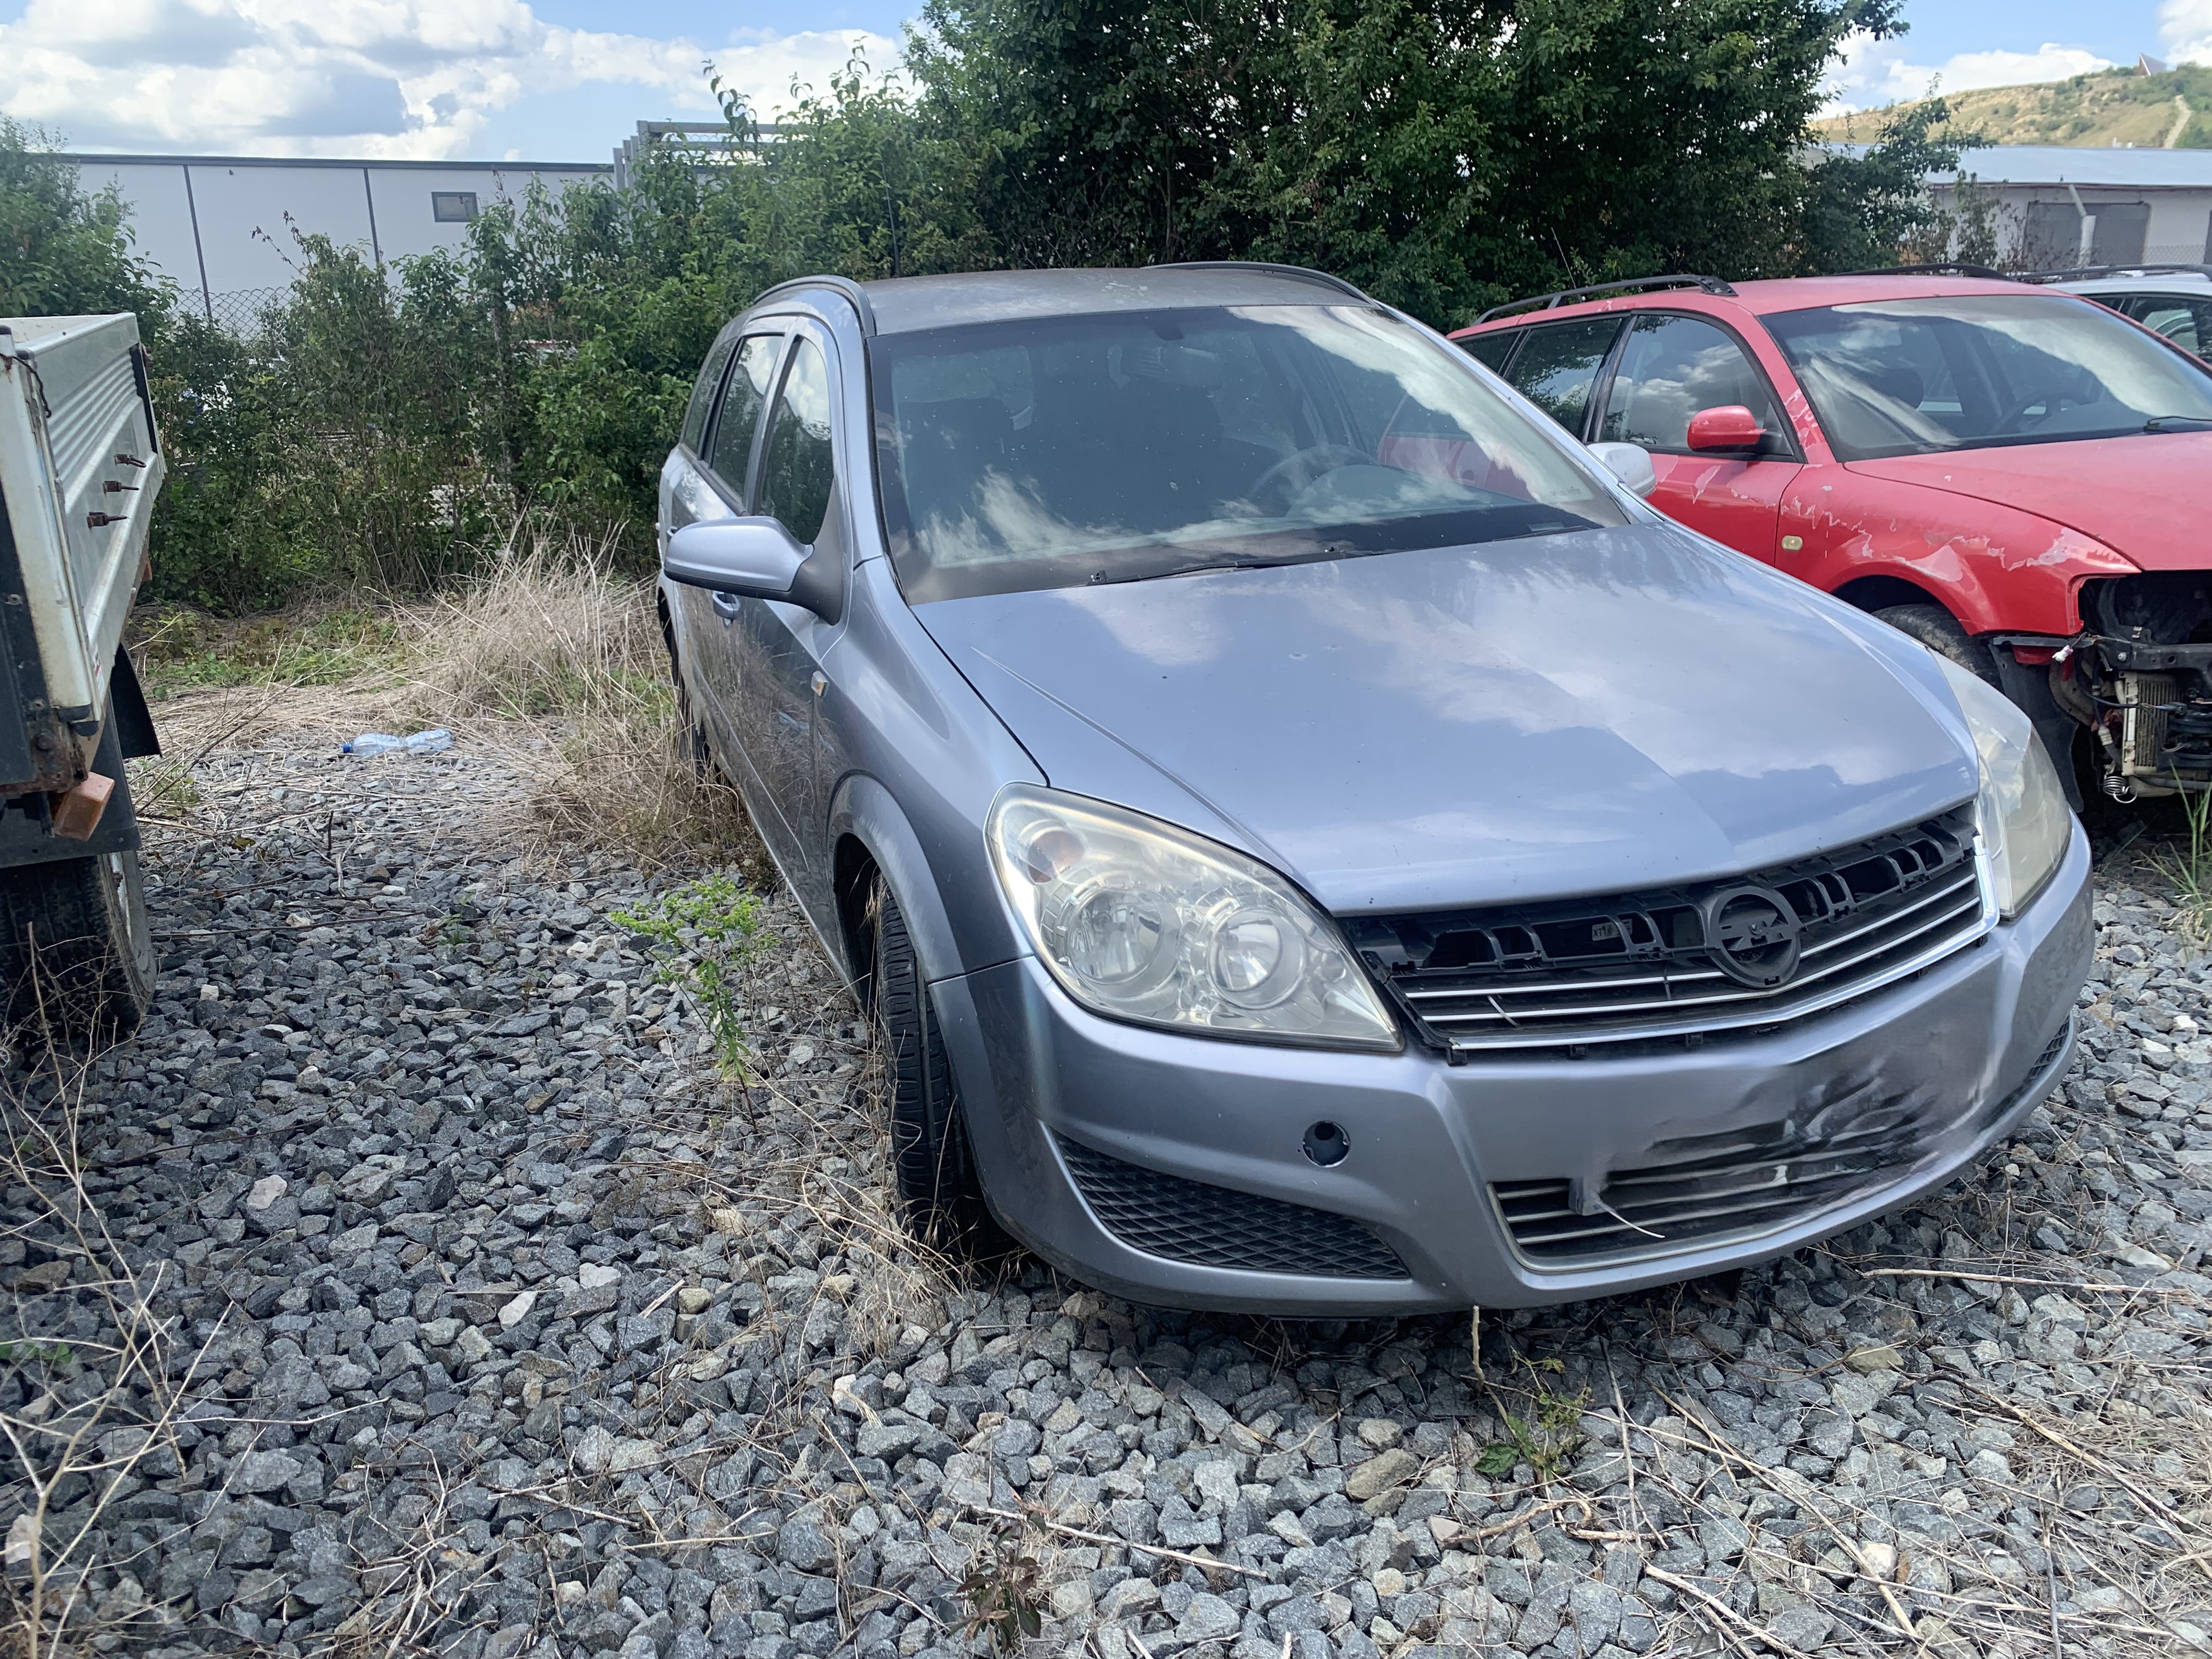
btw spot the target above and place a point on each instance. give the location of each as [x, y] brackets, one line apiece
[1183, 1220]
[1704, 1188]
[1639, 966]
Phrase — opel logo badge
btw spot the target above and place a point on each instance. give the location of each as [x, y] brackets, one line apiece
[1751, 935]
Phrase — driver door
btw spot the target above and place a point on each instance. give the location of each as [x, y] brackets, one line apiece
[1671, 367]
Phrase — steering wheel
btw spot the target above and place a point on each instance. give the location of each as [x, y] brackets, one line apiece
[1295, 471]
[2016, 419]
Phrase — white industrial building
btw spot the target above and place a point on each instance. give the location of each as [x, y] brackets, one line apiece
[2054, 207]
[221, 227]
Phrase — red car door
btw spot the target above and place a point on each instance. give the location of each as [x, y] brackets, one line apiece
[1672, 367]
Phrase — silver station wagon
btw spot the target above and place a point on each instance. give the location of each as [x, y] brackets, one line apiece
[1312, 839]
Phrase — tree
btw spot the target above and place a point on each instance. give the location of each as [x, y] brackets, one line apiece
[63, 250]
[1442, 153]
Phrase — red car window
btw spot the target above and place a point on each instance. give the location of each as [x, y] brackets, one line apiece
[1670, 369]
[1558, 364]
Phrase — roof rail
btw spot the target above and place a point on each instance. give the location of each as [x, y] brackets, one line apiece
[1548, 301]
[845, 286]
[1272, 270]
[1941, 268]
[2086, 273]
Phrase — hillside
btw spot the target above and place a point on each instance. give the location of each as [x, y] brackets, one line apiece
[2113, 107]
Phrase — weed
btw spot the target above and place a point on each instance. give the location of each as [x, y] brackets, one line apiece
[162, 788]
[184, 650]
[706, 928]
[2191, 870]
[1004, 1594]
[1545, 1438]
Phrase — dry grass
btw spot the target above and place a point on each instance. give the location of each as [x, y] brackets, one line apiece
[552, 655]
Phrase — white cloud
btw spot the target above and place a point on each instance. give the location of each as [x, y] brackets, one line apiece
[2185, 28]
[406, 78]
[1871, 73]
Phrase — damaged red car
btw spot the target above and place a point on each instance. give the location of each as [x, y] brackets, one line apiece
[2018, 479]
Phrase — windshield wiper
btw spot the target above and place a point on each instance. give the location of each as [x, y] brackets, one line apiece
[2179, 423]
[1334, 551]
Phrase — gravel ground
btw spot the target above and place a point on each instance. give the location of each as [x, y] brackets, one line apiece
[472, 1310]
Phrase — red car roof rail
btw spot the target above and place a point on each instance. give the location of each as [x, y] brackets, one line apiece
[1548, 301]
[1942, 268]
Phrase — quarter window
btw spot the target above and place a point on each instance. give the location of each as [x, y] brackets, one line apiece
[743, 400]
[796, 466]
[1670, 369]
[1558, 364]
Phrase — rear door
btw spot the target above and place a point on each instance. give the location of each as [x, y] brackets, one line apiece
[1671, 366]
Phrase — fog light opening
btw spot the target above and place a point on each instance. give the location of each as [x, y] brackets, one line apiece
[1326, 1144]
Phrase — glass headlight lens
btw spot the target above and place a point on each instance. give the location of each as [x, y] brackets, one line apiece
[1141, 920]
[2021, 812]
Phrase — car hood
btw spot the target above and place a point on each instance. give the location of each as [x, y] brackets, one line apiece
[1604, 711]
[2146, 496]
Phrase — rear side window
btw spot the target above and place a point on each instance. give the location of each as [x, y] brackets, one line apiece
[1558, 365]
[1491, 351]
[702, 394]
[742, 402]
[1670, 369]
[796, 468]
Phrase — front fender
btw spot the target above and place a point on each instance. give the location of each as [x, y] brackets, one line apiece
[865, 811]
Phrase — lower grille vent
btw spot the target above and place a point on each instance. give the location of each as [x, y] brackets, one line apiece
[1164, 1215]
[1707, 1187]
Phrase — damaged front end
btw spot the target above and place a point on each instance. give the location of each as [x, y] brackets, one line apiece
[2139, 676]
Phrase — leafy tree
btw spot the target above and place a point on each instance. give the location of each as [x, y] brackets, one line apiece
[63, 250]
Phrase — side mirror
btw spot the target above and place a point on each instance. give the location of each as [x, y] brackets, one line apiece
[1631, 463]
[752, 558]
[1730, 426]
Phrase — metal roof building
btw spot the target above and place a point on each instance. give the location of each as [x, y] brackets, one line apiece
[2058, 206]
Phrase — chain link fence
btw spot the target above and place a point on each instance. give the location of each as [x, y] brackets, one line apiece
[241, 311]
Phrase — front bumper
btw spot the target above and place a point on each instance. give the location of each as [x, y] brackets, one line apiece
[1969, 1042]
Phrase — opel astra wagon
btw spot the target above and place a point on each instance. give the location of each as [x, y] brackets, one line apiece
[1311, 838]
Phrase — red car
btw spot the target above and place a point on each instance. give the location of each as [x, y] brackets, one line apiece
[2019, 479]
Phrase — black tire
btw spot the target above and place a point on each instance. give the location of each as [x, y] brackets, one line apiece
[77, 955]
[1939, 630]
[691, 743]
[933, 1170]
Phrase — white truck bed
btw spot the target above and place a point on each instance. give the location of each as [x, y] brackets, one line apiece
[79, 469]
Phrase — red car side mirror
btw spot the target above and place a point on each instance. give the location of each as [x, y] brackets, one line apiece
[1731, 426]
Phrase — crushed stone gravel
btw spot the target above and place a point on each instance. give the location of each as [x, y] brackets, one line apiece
[491, 1319]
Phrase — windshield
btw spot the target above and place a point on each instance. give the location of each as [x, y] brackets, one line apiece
[1914, 377]
[1073, 450]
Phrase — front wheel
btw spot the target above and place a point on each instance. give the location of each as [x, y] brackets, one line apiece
[77, 955]
[931, 1169]
[1939, 630]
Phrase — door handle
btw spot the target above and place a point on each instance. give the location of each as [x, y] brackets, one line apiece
[726, 606]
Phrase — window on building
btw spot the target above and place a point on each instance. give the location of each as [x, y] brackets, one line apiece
[453, 206]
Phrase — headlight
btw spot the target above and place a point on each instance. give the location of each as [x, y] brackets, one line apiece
[1144, 921]
[2021, 812]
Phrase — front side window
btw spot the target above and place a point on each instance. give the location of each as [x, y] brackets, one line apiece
[796, 465]
[1918, 377]
[703, 394]
[1558, 365]
[2185, 321]
[743, 400]
[1061, 452]
[1672, 367]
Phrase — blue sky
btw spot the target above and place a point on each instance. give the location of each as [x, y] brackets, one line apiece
[564, 79]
